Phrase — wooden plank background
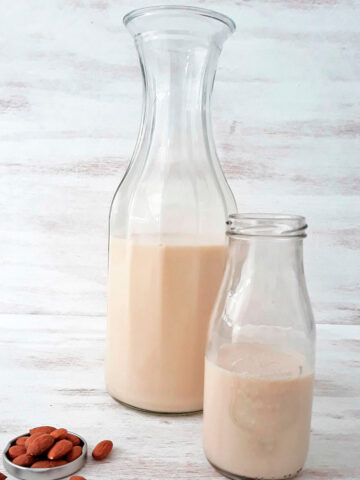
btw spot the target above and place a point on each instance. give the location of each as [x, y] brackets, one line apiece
[286, 113]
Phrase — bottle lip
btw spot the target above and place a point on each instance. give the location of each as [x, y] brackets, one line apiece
[276, 225]
[180, 9]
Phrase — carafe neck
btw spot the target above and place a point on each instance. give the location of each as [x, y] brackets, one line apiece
[178, 49]
[178, 79]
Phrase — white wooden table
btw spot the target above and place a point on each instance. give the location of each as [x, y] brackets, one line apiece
[52, 371]
[287, 124]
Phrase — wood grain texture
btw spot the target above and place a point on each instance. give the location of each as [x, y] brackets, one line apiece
[287, 126]
[286, 114]
[51, 372]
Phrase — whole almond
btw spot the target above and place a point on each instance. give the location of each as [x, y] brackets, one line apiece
[77, 477]
[59, 434]
[74, 454]
[42, 464]
[58, 463]
[74, 439]
[2, 476]
[59, 450]
[30, 438]
[24, 460]
[44, 429]
[102, 449]
[40, 444]
[16, 451]
[21, 440]
[48, 463]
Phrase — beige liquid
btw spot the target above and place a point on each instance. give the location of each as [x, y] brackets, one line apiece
[160, 301]
[257, 411]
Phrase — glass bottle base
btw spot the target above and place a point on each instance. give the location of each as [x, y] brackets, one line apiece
[154, 412]
[242, 477]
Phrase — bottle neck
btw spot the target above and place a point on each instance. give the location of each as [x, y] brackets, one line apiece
[269, 265]
[178, 79]
[266, 298]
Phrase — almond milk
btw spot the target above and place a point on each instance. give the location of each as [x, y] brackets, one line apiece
[160, 299]
[257, 411]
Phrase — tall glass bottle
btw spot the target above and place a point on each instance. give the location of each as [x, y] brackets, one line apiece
[260, 353]
[167, 249]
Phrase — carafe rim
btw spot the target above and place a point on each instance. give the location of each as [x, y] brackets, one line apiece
[205, 12]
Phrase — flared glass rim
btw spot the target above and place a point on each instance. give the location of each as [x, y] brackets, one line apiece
[277, 225]
[180, 8]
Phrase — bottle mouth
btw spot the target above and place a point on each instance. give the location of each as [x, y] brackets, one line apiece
[175, 17]
[276, 225]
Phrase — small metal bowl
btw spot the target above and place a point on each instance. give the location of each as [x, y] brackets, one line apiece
[27, 473]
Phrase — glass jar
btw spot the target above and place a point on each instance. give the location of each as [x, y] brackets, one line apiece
[260, 355]
[167, 245]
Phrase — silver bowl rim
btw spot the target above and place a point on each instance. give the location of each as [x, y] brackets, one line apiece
[63, 470]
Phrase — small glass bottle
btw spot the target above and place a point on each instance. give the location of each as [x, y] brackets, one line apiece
[260, 356]
[167, 245]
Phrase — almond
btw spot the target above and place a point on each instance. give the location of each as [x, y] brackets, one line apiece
[58, 463]
[24, 460]
[102, 449]
[42, 464]
[40, 444]
[74, 439]
[59, 434]
[60, 449]
[21, 440]
[76, 477]
[44, 429]
[48, 463]
[30, 438]
[16, 451]
[2, 476]
[74, 454]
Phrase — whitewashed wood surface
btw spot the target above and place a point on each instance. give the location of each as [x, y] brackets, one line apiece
[51, 371]
[286, 111]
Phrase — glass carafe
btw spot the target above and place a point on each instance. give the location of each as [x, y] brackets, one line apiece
[167, 245]
[260, 355]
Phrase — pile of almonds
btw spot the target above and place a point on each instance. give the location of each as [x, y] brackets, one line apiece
[48, 447]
